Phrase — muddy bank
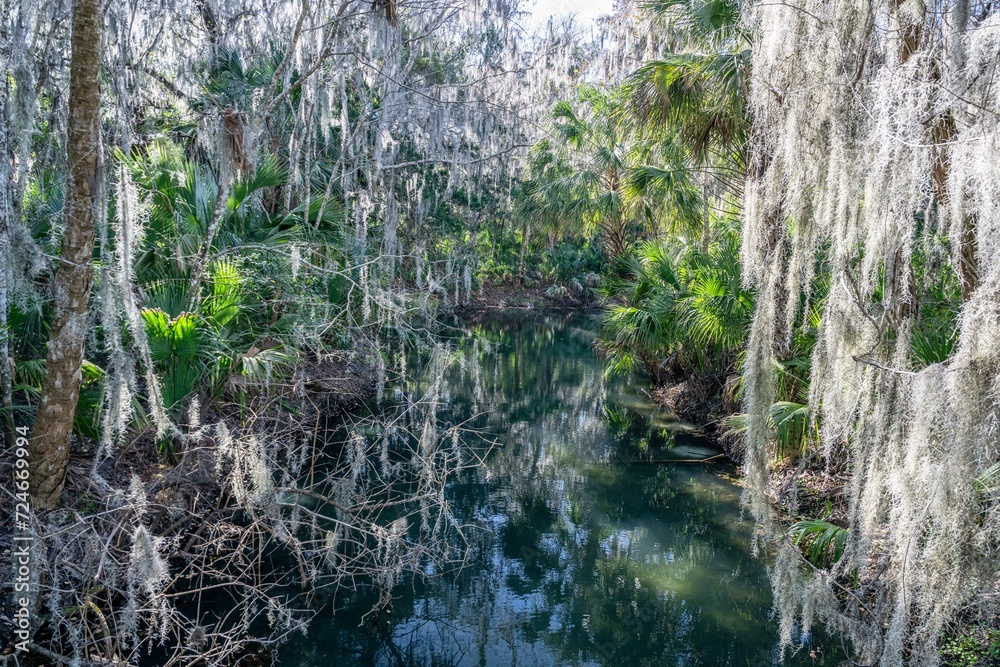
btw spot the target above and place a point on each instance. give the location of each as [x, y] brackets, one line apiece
[705, 402]
[534, 294]
[695, 400]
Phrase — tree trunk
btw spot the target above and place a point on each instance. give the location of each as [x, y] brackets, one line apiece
[50, 438]
[525, 239]
[616, 241]
[942, 134]
[6, 219]
[909, 30]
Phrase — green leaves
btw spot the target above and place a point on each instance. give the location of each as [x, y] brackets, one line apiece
[179, 350]
[270, 172]
[682, 302]
[718, 308]
[698, 97]
[822, 542]
[989, 480]
[932, 345]
[623, 184]
[791, 424]
[224, 303]
[670, 188]
[713, 21]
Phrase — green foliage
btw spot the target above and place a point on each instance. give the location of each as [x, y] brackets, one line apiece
[988, 482]
[791, 423]
[180, 351]
[572, 259]
[821, 541]
[86, 421]
[225, 302]
[679, 303]
[975, 647]
[251, 293]
[698, 93]
[605, 179]
[933, 345]
[792, 428]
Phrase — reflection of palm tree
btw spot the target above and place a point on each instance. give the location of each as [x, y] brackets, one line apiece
[618, 420]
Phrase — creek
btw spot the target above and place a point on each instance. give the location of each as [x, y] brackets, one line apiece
[585, 546]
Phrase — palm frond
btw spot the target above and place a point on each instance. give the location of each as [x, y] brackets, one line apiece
[822, 542]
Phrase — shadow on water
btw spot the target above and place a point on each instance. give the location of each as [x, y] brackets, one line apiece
[582, 549]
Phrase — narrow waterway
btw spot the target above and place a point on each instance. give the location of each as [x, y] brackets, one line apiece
[585, 547]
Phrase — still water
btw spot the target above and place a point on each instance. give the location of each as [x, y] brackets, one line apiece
[588, 549]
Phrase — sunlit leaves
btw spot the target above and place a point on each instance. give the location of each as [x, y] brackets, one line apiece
[179, 349]
[822, 542]
[679, 302]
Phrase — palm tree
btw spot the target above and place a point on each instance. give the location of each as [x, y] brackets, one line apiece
[541, 204]
[613, 187]
[696, 97]
[680, 307]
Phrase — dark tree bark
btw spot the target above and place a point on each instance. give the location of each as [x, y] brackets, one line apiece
[50, 438]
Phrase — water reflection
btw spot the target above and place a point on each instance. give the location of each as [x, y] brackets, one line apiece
[583, 550]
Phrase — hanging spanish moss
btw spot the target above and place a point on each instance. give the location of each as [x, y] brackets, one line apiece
[873, 130]
[299, 303]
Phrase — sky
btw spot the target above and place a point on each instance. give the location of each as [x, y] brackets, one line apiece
[586, 10]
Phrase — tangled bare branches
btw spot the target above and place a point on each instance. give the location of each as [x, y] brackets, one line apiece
[263, 520]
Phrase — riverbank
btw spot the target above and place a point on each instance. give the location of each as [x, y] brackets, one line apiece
[702, 401]
[533, 294]
[318, 390]
[198, 504]
[705, 402]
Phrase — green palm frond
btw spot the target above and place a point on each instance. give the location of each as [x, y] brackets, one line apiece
[263, 366]
[180, 350]
[989, 480]
[734, 425]
[270, 172]
[165, 292]
[28, 376]
[224, 303]
[822, 542]
[714, 21]
[933, 345]
[791, 423]
[700, 96]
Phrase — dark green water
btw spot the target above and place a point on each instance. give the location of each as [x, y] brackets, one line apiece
[587, 552]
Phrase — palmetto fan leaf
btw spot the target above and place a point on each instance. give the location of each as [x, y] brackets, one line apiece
[672, 188]
[700, 97]
[613, 186]
[270, 172]
[225, 301]
[709, 22]
[791, 424]
[179, 347]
